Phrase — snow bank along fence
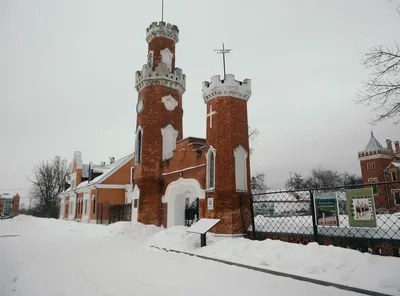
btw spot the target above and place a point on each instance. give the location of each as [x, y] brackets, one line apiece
[365, 217]
[107, 214]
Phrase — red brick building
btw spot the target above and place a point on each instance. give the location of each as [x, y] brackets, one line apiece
[9, 204]
[170, 171]
[93, 187]
[382, 164]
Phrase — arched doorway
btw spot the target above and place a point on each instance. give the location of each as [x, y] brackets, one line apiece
[177, 195]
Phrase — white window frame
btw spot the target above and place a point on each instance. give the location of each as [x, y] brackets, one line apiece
[211, 150]
[391, 172]
[240, 152]
[394, 196]
[138, 156]
[371, 181]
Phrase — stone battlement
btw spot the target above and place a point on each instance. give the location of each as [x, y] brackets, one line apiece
[162, 29]
[374, 152]
[226, 88]
[160, 75]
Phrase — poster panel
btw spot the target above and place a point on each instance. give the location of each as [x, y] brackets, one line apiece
[361, 207]
[326, 208]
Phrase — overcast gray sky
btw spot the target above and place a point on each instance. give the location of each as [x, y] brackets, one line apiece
[67, 73]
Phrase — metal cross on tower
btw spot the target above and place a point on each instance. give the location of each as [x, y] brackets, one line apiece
[223, 51]
[162, 10]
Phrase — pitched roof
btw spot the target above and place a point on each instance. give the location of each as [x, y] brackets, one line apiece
[113, 167]
[373, 143]
[108, 170]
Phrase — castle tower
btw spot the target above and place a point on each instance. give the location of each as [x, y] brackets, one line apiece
[228, 164]
[159, 117]
[374, 159]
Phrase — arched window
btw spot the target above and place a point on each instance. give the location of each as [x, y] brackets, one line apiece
[138, 145]
[240, 168]
[210, 168]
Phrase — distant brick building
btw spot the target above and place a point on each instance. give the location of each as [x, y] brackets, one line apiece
[90, 186]
[382, 164]
[9, 204]
[170, 171]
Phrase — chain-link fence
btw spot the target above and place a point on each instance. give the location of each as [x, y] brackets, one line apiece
[364, 217]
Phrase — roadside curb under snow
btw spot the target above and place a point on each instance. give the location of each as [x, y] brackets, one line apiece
[278, 273]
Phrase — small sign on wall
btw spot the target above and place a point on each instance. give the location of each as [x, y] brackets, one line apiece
[210, 204]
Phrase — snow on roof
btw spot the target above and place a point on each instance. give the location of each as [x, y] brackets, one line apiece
[396, 164]
[8, 195]
[373, 143]
[112, 168]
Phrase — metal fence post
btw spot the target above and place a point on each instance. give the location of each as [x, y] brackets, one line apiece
[252, 217]
[314, 220]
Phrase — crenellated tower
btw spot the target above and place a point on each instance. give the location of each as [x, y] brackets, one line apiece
[160, 86]
[227, 164]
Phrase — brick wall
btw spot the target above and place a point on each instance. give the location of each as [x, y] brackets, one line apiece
[160, 43]
[230, 129]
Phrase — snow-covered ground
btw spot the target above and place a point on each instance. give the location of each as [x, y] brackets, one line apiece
[53, 257]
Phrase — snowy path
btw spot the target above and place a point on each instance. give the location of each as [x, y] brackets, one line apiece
[60, 258]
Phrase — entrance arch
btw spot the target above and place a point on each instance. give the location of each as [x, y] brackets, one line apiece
[175, 196]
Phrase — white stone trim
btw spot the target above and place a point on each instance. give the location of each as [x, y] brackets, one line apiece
[87, 202]
[170, 102]
[184, 170]
[176, 189]
[226, 88]
[162, 29]
[167, 57]
[135, 211]
[169, 135]
[375, 156]
[240, 152]
[113, 186]
[160, 76]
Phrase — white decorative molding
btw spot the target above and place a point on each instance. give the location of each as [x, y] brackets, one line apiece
[160, 76]
[169, 141]
[240, 155]
[170, 102]
[166, 58]
[226, 88]
[183, 170]
[374, 156]
[135, 196]
[162, 29]
[176, 192]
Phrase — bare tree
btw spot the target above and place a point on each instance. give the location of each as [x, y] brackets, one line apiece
[295, 181]
[382, 90]
[47, 183]
[258, 180]
[258, 183]
[320, 178]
